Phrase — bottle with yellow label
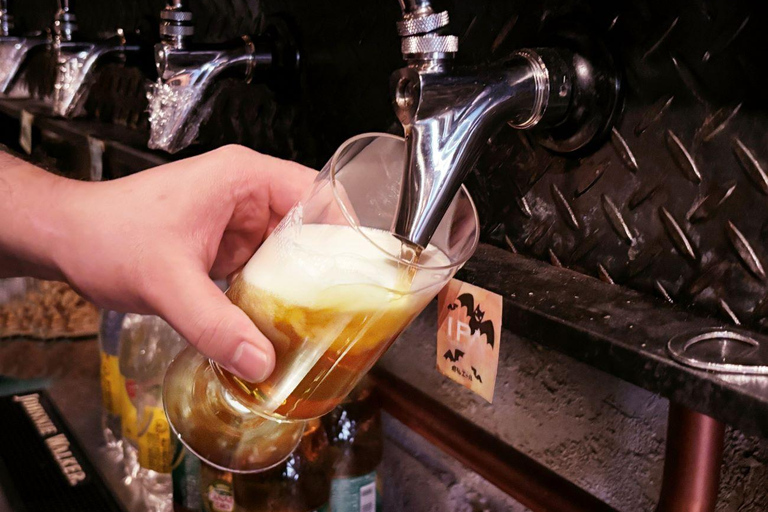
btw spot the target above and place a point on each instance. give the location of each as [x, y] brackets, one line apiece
[147, 347]
[356, 442]
[110, 324]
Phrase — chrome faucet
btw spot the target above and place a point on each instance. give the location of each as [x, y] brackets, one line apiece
[14, 50]
[568, 95]
[186, 71]
[76, 61]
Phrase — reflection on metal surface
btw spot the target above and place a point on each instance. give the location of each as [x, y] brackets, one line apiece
[13, 50]
[683, 158]
[722, 350]
[75, 65]
[679, 239]
[745, 251]
[186, 73]
[77, 61]
[13, 53]
[175, 111]
[617, 221]
[690, 137]
[172, 124]
[707, 207]
[751, 165]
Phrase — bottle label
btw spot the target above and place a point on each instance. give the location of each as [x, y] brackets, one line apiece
[186, 479]
[128, 410]
[354, 494]
[219, 497]
[154, 443]
[469, 335]
[110, 384]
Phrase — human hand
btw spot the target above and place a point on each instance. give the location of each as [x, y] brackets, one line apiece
[151, 242]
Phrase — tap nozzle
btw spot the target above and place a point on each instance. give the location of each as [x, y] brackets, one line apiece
[449, 114]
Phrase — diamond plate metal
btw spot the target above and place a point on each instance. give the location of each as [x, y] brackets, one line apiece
[676, 195]
[672, 203]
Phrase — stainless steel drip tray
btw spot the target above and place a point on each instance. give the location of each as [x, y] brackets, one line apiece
[725, 349]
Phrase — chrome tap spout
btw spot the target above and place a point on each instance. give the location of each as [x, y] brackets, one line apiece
[187, 71]
[449, 113]
[185, 75]
[75, 66]
[76, 61]
[13, 50]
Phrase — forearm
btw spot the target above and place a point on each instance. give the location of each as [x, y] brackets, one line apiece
[31, 219]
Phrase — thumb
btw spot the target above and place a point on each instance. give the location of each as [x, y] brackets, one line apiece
[206, 318]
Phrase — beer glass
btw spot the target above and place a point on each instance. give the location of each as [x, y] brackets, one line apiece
[331, 288]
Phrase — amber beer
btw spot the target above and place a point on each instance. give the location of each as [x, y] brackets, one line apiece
[300, 484]
[331, 301]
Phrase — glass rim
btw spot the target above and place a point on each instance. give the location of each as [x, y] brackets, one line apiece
[357, 227]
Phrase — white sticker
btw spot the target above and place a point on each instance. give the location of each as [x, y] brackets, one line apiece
[96, 149]
[25, 136]
[368, 497]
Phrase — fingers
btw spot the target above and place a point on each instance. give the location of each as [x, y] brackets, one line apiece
[205, 317]
[288, 182]
[257, 188]
[285, 181]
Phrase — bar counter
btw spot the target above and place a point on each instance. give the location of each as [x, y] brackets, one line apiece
[69, 370]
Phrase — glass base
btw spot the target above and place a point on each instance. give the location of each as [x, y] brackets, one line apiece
[218, 428]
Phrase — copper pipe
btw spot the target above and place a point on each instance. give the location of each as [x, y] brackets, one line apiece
[692, 463]
[527, 481]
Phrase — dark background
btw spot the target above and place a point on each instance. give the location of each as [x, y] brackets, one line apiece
[675, 202]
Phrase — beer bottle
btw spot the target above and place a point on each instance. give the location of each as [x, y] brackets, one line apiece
[216, 489]
[185, 476]
[355, 435]
[147, 346]
[110, 324]
[300, 484]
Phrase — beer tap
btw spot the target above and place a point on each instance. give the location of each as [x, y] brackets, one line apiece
[567, 95]
[77, 60]
[187, 70]
[14, 50]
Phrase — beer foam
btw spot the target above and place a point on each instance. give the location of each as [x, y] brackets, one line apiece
[311, 264]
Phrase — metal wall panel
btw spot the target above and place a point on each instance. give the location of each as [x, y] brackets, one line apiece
[674, 203]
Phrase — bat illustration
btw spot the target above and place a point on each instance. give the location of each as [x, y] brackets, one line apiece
[477, 375]
[475, 315]
[453, 356]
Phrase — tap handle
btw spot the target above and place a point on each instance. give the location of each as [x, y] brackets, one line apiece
[416, 7]
[65, 22]
[6, 20]
[176, 24]
[420, 43]
[413, 25]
